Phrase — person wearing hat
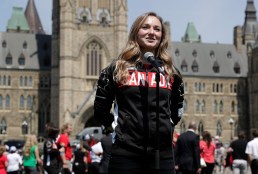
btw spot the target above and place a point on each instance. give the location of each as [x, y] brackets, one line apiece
[3, 160]
[14, 161]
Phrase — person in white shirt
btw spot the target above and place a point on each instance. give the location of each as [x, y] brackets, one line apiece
[14, 161]
[252, 152]
[96, 156]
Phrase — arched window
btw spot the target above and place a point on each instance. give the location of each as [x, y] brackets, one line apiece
[9, 59]
[29, 102]
[231, 88]
[7, 102]
[1, 102]
[233, 106]
[197, 105]
[237, 68]
[21, 60]
[9, 81]
[229, 55]
[25, 81]
[215, 67]
[218, 129]
[184, 66]
[194, 53]
[195, 67]
[3, 126]
[21, 81]
[25, 45]
[203, 106]
[94, 58]
[4, 44]
[195, 86]
[221, 106]
[4, 80]
[30, 81]
[177, 52]
[212, 54]
[199, 87]
[200, 128]
[21, 102]
[221, 87]
[213, 87]
[215, 106]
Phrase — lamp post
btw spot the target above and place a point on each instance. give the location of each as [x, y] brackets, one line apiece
[24, 128]
[231, 122]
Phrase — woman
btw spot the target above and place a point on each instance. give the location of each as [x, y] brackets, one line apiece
[207, 150]
[130, 82]
[3, 160]
[80, 160]
[31, 155]
[51, 159]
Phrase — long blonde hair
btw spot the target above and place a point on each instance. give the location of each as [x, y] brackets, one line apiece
[131, 54]
[31, 140]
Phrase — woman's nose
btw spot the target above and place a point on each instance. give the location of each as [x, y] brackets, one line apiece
[151, 31]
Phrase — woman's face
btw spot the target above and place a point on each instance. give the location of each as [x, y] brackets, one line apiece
[149, 35]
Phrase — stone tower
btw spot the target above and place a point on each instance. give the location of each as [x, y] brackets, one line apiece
[86, 36]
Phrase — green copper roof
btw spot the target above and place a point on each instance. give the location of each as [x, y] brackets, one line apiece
[191, 34]
[18, 20]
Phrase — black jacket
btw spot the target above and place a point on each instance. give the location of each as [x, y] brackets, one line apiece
[187, 153]
[135, 107]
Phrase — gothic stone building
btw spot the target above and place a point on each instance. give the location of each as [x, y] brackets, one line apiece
[220, 85]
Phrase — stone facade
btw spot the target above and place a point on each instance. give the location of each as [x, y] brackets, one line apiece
[88, 35]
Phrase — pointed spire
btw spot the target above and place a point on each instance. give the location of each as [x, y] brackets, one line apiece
[33, 19]
[250, 11]
[191, 34]
[17, 22]
[250, 28]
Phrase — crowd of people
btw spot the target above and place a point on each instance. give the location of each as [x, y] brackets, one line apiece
[57, 156]
[209, 155]
[92, 156]
[139, 98]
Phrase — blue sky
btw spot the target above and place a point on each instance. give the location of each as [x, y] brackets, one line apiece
[213, 19]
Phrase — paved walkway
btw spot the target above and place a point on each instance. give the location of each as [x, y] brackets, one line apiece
[228, 171]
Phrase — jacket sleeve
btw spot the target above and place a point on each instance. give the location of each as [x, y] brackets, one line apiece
[104, 97]
[177, 99]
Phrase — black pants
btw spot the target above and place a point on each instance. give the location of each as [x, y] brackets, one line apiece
[94, 168]
[139, 165]
[254, 166]
[13, 172]
[208, 169]
[52, 169]
[79, 169]
[186, 172]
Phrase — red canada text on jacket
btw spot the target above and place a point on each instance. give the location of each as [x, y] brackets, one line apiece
[147, 79]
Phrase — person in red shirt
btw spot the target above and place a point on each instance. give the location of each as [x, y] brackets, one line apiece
[63, 143]
[207, 152]
[3, 160]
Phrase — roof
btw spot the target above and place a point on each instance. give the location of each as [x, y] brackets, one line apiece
[33, 19]
[34, 48]
[191, 34]
[17, 20]
[208, 57]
